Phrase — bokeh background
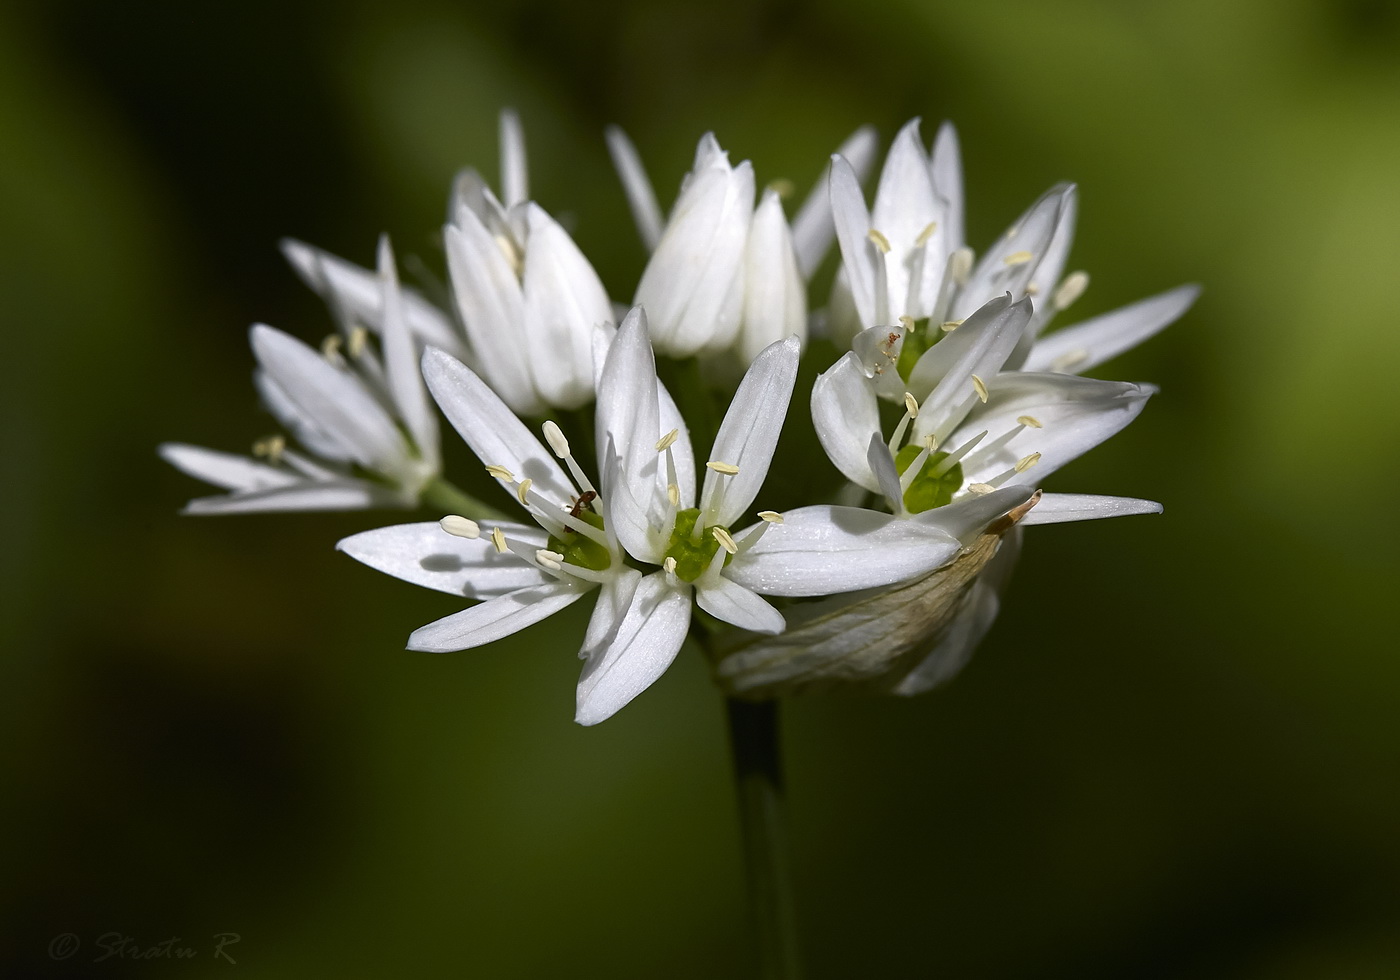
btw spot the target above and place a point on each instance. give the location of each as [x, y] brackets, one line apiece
[1178, 755]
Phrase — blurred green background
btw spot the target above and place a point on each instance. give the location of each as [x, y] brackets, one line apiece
[1178, 754]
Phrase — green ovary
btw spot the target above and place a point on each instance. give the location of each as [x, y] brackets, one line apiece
[917, 340]
[692, 557]
[928, 491]
[579, 549]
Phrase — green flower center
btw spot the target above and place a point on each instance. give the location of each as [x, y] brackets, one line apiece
[578, 548]
[917, 340]
[929, 489]
[692, 557]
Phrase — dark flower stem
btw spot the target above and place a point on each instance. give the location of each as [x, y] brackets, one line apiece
[758, 781]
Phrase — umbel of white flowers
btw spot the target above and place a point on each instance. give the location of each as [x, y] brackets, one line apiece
[891, 596]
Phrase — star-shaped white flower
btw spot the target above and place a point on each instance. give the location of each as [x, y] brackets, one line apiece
[906, 261]
[349, 409]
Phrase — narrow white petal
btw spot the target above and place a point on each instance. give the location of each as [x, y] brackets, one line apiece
[969, 516]
[943, 376]
[641, 198]
[515, 176]
[426, 555]
[1010, 264]
[775, 301]
[495, 618]
[614, 599]
[1059, 508]
[881, 463]
[812, 227]
[905, 205]
[401, 362]
[227, 470]
[303, 495]
[628, 519]
[749, 433]
[489, 300]
[336, 401]
[353, 294]
[564, 300]
[628, 415]
[646, 642]
[846, 413]
[946, 168]
[1075, 415]
[303, 428]
[496, 436]
[1088, 344]
[1051, 266]
[736, 605]
[823, 549]
[852, 221]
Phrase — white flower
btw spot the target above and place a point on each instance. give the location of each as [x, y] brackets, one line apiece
[350, 410]
[529, 300]
[906, 258]
[724, 274]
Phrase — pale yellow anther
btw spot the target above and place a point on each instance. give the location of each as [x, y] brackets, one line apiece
[1070, 361]
[556, 439]
[930, 442]
[725, 540]
[330, 348]
[960, 266]
[771, 516]
[523, 491]
[500, 473]
[980, 387]
[783, 187]
[1026, 462]
[669, 564]
[911, 404]
[948, 326]
[1018, 258]
[673, 494]
[879, 240]
[1070, 289]
[549, 559]
[359, 337]
[1030, 420]
[728, 469]
[668, 440]
[926, 234]
[461, 527]
[1032, 289]
[270, 448]
[907, 322]
[512, 254]
[498, 538]
[980, 488]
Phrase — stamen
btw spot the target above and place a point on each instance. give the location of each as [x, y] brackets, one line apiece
[500, 472]
[359, 337]
[907, 322]
[960, 264]
[980, 488]
[771, 516]
[1070, 289]
[948, 326]
[498, 538]
[330, 348]
[1032, 289]
[523, 489]
[728, 469]
[270, 448]
[462, 527]
[1018, 258]
[669, 564]
[549, 559]
[668, 440]
[981, 388]
[926, 234]
[726, 541]
[1030, 420]
[911, 473]
[673, 494]
[949, 461]
[783, 187]
[879, 241]
[1067, 362]
[911, 404]
[1026, 462]
[556, 440]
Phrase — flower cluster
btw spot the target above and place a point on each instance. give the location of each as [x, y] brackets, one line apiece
[889, 585]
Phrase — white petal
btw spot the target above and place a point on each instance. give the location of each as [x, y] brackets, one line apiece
[812, 227]
[401, 363]
[628, 415]
[641, 198]
[1031, 233]
[736, 605]
[646, 642]
[775, 302]
[353, 293]
[946, 168]
[614, 599]
[749, 433]
[496, 618]
[858, 254]
[302, 427]
[968, 517]
[496, 436]
[1076, 414]
[515, 177]
[426, 555]
[881, 463]
[1052, 264]
[1059, 508]
[492, 309]
[681, 451]
[1088, 344]
[335, 401]
[225, 470]
[304, 495]
[905, 205]
[846, 413]
[943, 376]
[822, 550]
[564, 301]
